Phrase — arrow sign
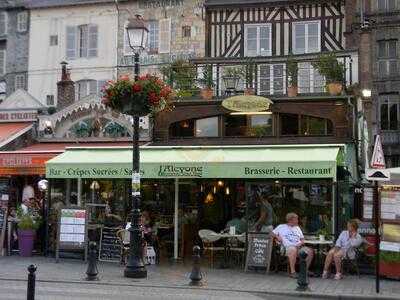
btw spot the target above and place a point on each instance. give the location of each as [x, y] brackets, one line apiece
[378, 174]
[378, 158]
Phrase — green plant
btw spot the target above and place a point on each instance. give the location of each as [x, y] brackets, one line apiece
[249, 73]
[292, 71]
[28, 220]
[233, 71]
[322, 231]
[51, 110]
[207, 79]
[259, 130]
[181, 75]
[330, 67]
[390, 257]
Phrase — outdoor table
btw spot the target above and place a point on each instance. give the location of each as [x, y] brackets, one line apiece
[318, 244]
[227, 237]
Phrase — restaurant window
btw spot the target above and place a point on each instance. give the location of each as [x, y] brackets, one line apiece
[309, 79]
[387, 58]
[207, 127]
[250, 125]
[306, 37]
[271, 79]
[183, 128]
[389, 112]
[257, 40]
[315, 126]
[289, 124]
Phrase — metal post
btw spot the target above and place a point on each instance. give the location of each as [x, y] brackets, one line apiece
[302, 281]
[30, 295]
[377, 235]
[91, 272]
[195, 275]
[135, 267]
[176, 216]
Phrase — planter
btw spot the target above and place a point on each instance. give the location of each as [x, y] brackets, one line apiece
[25, 241]
[335, 88]
[322, 237]
[207, 93]
[132, 108]
[389, 269]
[249, 91]
[292, 91]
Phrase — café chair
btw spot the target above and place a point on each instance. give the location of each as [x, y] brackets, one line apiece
[237, 248]
[124, 238]
[209, 237]
[350, 264]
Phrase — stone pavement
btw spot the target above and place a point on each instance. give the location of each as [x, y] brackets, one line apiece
[177, 277]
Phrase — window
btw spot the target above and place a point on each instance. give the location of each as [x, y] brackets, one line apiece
[22, 21]
[153, 36]
[82, 41]
[3, 88]
[3, 23]
[271, 79]
[164, 45]
[186, 31]
[182, 129]
[289, 124]
[386, 5]
[257, 40]
[390, 112]
[250, 125]
[309, 79]
[53, 40]
[2, 62]
[207, 127]
[19, 82]
[306, 37]
[387, 58]
[84, 88]
[315, 126]
[50, 100]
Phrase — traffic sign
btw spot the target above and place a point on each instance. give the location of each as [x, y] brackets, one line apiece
[378, 174]
[378, 158]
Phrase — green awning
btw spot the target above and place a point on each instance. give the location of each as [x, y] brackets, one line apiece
[300, 161]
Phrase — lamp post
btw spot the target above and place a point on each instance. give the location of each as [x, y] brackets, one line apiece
[137, 37]
[43, 186]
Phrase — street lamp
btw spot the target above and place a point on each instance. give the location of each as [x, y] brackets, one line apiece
[43, 186]
[137, 37]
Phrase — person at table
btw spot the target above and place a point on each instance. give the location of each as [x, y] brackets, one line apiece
[291, 237]
[237, 222]
[346, 243]
[265, 213]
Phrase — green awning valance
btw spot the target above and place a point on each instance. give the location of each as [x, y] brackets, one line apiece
[300, 161]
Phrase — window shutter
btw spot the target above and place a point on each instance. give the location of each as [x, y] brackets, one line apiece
[92, 87]
[165, 36]
[127, 49]
[304, 77]
[2, 62]
[265, 40]
[71, 42]
[299, 39]
[279, 79]
[313, 38]
[251, 41]
[93, 41]
[264, 79]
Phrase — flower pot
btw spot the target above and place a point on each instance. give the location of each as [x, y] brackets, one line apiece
[249, 91]
[26, 238]
[322, 237]
[207, 93]
[389, 269]
[335, 88]
[292, 91]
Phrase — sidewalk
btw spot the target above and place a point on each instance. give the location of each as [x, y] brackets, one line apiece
[177, 276]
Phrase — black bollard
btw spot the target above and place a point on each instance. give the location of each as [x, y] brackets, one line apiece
[195, 275]
[30, 295]
[302, 280]
[92, 271]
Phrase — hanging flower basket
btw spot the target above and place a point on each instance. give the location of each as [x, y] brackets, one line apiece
[149, 94]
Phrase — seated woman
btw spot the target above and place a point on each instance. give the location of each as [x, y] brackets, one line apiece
[344, 247]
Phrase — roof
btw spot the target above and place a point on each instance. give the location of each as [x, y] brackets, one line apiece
[21, 99]
[11, 131]
[58, 3]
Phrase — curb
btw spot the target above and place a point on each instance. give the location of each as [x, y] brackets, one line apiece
[205, 287]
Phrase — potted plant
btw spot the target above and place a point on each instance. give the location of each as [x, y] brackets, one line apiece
[389, 264]
[231, 77]
[292, 72]
[328, 66]
[322, 233]
[249, 77]
[207, 81]
[28, 222]
[181, 75]
[148, 94]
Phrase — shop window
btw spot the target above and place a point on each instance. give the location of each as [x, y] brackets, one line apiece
[289, 124]
[389, 112]
[251, 125]
[315, 126]
[182, 129]
[207, 127]
[387, 58]
[235, 125]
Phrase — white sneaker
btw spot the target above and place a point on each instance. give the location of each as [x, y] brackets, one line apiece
[325, 275]
[338, 276]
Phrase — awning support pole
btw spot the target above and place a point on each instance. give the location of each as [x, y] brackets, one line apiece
[79, 192]
[176, 224]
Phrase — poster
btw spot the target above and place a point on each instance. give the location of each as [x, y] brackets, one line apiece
[72, 225]
[390, 203]
[368, 203]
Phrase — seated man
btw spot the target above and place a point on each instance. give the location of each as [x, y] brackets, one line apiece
[292, 239]
[237, 222]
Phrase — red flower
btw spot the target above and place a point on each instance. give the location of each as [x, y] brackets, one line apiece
[165, 92]
[153, 98]
[136, 88]
[105, 101]
[124, 77]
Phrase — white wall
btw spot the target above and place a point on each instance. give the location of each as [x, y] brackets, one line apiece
[44, 60]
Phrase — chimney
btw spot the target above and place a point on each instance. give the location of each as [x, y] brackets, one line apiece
[65, 88]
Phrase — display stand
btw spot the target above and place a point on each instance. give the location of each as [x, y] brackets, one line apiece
[259, 250]
[3, 226]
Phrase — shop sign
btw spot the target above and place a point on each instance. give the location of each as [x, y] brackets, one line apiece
[18, 116]
[247, 103]
[174, 171]
[143, 4]
[23, 160]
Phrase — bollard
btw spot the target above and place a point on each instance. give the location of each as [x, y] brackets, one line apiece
[31, 283]
[302, 280]
[195, 275]
[91, 271]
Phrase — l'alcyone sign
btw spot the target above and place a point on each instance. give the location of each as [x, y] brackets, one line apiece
[247, 103]
[18, 116]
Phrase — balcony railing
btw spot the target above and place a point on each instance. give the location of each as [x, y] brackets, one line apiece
[259, 75]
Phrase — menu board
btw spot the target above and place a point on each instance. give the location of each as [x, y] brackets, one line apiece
[259, 249]
[3, 222]
[368, 203]
[110, 246]
[72, 228]
[390, 203]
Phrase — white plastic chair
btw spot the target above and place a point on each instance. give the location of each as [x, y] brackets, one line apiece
[208, 238]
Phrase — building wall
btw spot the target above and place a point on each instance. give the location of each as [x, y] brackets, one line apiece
[44, 66]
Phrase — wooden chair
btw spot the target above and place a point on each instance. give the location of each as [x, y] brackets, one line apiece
[237, 249]
[209, 237]
[124, 239]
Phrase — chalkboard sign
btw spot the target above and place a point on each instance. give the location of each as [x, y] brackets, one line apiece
[3, 222]
[259, 249]
[71, 230]
[110, 246]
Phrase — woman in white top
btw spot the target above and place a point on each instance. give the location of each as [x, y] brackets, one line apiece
[346, 243]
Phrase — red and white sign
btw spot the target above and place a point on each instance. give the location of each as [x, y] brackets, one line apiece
[378, 158]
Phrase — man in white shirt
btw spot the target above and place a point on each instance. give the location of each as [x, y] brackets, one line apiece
[291, 237]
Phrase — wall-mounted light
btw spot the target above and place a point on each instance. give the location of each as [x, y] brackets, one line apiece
[366, 93]
[95, 185]
[220, 183]
[214, 189]
[227, 192]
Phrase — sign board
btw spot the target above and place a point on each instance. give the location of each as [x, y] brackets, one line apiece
[390, 203]
[110, 246]
[3, 222]
[71, 230]
[378, 174]
[378, 158]
[368, 199]
[259, 250]
[18, 116]
[247, 103]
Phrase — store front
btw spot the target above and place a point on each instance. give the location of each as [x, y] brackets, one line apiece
[185, 189]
